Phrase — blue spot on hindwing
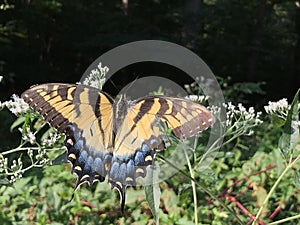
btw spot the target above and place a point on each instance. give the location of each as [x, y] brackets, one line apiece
[77, 135]
[83, 157]
[78, 145]
[139, 159]
[114, 170]
[90, 161]
[96, 154]
[88, 164]
[122, 173]
[98, 166]
[130, 171]
[145, 148]
[153, 141]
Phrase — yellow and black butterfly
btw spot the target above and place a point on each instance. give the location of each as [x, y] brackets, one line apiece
[114, 138]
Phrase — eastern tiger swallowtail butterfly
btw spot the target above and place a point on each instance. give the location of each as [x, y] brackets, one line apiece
[114, 138]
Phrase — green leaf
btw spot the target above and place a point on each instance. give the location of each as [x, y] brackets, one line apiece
[279, 159]
[22, 184]
[47, 133]
[152, 191]
[185, 221]
[289, 138]
[17, 123]
[4, 181]
[277, 121]
[61, 159]
[297, 179]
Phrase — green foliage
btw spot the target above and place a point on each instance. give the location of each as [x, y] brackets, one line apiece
[251, 174]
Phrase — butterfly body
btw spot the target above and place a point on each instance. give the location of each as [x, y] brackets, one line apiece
[114, 138]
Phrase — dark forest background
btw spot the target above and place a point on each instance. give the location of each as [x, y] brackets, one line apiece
[55, 40]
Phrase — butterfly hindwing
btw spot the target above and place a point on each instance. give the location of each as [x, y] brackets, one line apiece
[85, 115]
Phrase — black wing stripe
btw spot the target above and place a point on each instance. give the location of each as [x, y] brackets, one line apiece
[98, 114]
[144, 108]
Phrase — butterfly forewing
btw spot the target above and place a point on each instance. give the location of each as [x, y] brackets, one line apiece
[84, 114]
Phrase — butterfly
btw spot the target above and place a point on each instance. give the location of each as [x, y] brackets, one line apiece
[113, 138]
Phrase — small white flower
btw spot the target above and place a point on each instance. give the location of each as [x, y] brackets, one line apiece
[14, 164]
[31, 137]
[215, 110]
[27, 135]
[241, 107]
[229, 106]
[251, 110]
[12, 179]
[51, 140]
[30, 153]
[1, 78]
[248, 116]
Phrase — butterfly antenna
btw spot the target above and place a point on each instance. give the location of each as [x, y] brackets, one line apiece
[130, 85]
[113, 83]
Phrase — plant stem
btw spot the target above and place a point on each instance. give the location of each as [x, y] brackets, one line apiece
[273, 189]
[19, 149]
[193, 186]
[26, 149]
[285, 220]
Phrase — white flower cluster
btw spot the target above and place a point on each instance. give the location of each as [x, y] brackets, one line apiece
[27, 135]
[197, 98]
[17, 105]
[17, 170]
[51, 140]
[215, 110]
[3, 163]
[96, 77]
[1, 78]
[41, 158]
[239, 117]
[281, 107]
